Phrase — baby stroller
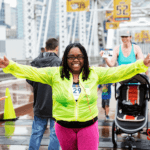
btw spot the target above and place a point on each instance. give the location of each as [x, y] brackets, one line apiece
[131, 114]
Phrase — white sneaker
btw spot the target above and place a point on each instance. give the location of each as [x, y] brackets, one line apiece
[107, 117]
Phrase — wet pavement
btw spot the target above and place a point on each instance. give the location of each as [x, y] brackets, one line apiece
[20, 91]
[15, 135]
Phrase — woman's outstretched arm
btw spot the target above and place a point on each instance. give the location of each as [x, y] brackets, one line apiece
[123, 72]
[43, 75]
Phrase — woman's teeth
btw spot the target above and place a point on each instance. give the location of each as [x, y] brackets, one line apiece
[76, 65]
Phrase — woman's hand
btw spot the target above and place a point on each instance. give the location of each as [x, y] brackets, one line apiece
[101, 53]
[146, 61]
[4, 62]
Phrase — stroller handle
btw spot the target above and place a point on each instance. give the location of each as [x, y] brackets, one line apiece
[116, 97]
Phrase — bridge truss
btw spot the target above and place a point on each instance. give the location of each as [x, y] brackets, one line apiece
[78, 27]
[73, 27]
[84, 27]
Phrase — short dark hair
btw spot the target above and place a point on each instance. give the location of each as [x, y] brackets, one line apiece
[42, 49]
[65, 67]
[51, 44]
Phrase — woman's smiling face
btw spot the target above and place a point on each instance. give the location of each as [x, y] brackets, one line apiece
[75, 60]
[126, 39]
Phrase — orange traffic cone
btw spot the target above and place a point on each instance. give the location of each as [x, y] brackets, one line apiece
[9, 113]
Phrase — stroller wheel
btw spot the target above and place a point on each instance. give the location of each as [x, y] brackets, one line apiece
[114, 134]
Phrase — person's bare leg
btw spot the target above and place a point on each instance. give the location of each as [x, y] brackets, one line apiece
[107, 110]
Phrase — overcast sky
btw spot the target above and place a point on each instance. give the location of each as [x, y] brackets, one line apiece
[11, 2]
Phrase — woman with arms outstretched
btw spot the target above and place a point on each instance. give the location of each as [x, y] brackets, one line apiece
[74, 86]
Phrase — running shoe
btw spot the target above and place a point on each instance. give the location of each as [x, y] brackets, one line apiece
[107, 117]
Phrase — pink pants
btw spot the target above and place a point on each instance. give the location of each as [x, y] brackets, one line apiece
[78, 138]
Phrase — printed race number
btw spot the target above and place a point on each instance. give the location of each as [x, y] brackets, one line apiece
[122, 10]
[77, 90]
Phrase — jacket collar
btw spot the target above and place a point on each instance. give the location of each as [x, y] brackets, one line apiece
[47, 54]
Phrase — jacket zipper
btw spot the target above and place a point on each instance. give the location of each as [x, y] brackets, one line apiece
[76, 110]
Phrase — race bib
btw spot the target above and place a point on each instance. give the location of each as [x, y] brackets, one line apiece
[76, 91]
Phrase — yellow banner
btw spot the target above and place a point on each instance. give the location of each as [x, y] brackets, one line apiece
[122, 10]
[78, 5]
[109, 15]
[148, 40]
[112, 25]
[137, 37]
[145, 34]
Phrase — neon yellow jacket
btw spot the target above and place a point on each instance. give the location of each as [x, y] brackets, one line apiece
[64, 105]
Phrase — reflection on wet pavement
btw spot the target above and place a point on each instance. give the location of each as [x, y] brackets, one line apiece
[18, 147]
[9, 128]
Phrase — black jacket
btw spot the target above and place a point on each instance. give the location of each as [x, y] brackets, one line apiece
[42, 92]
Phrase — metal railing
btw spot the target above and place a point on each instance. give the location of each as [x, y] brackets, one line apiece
[145, 47]
[4, 76]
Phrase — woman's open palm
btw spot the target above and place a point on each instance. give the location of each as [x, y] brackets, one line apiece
[147, 61]
[4, 62]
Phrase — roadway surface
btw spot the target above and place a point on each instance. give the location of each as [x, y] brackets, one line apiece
[15, 135]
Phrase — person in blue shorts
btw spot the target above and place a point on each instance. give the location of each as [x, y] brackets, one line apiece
[106, 95]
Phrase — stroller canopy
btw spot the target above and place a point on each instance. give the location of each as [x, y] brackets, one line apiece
[142, 78]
